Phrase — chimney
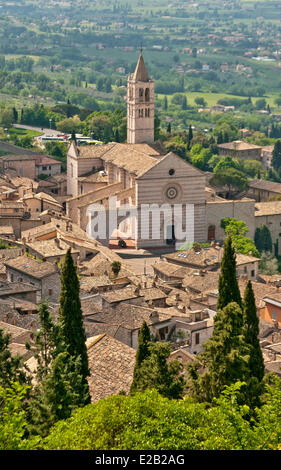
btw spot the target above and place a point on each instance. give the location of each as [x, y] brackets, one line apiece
[154, 316]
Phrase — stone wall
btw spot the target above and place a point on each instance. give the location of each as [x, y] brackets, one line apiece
[240, 210]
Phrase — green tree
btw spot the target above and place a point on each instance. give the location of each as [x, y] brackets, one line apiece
[263, 240]
[70, 318]
[225, 358]
[7, 117]
[116, 266]
[156, 372]
[233, 179]
[59, 385]
[255, 385]
[190, 137]
[141, 354]
[228, 285]
[237, 229]
[14, 418]
[12, 368]
[227, 162]
[276, 155]
[251, 325]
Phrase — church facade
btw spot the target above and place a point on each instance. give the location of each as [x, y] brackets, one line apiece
[164, 195]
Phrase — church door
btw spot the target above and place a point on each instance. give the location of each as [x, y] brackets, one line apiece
[170, 235]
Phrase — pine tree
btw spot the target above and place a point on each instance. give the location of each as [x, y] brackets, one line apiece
[228, 285]
[70, 319]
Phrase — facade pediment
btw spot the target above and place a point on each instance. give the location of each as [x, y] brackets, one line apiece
[171, 166]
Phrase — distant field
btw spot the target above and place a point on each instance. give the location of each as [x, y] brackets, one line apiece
[212, 98]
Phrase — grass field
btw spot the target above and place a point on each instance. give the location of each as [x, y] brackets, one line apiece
[13, 131]
[212, 98]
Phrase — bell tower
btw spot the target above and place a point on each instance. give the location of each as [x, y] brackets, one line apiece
[140, 106]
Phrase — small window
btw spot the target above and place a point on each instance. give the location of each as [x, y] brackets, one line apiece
[245, 269]
[50, 291]
[197, 338]
[273, 314]
[253, 273]
[171, 172]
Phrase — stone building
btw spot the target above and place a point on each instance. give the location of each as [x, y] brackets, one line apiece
[41, 274]
[241, 149]
[104, 179]
[137, 174]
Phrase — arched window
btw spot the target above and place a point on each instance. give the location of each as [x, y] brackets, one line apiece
[147, 94]
[141, 94]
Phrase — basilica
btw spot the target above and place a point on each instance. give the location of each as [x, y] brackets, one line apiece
[166, 198]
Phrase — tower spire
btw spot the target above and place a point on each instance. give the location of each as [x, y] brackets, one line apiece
[140, 106]
[140, 74]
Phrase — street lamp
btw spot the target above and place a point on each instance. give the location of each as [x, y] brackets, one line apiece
[50, 123]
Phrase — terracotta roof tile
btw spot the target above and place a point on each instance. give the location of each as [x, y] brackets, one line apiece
[111, 365]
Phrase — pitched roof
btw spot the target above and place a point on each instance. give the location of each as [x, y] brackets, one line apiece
[50, 248]
[238, 145]
[135, 158]
[140, 74]
[265, 185]
[18, 157]
[44, 160]
[31, 266]
[267, 208]
[111, 365]
[201, 258]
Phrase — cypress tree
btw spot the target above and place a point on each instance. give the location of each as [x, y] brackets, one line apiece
[70, 318]
[225, 358]
[228, 284]
[276, 155]
[157, 373]
[251, 325]
[141, 354]
[190, 137]
[263, 240]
